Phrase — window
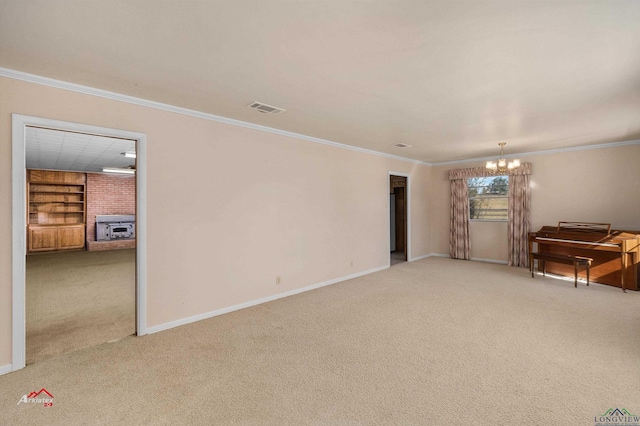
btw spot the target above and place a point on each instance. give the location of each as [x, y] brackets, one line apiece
[488, 198]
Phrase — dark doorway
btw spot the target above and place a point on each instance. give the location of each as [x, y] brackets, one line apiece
[398, 216]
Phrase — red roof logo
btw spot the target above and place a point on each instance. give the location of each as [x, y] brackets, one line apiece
[35, 394]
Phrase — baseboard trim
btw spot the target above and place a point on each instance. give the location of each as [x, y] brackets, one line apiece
[429, 255]
[501, 262]
[475, 259]
[4, 369]
[421, 257]
[207, 315]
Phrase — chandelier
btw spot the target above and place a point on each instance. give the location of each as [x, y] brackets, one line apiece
[501, 165]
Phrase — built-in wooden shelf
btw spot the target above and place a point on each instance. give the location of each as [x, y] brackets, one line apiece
[56, 208]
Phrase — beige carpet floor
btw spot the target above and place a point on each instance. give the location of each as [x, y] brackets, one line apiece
[78, 299]
[433, 342]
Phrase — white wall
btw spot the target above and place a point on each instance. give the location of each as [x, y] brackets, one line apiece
[229, 208]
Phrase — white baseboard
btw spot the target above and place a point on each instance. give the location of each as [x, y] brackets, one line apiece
[475, 259]
[420, 257]
[206, 315]
[429, 255]
[4, 369]
[501, 262]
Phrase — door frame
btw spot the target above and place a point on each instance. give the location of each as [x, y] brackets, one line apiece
[407, 212]
[19, 222]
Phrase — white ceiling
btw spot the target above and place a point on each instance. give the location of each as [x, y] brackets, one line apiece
[57, 150]
[451, 78]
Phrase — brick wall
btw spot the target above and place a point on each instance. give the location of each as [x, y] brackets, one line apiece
[109, 194]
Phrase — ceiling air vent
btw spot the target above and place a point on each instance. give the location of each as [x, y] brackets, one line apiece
[403, 145]
[264, 108]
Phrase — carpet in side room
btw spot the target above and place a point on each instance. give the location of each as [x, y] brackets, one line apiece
[78, 299]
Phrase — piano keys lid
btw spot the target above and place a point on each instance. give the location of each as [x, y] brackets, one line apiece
[587, 232]
[587, 227]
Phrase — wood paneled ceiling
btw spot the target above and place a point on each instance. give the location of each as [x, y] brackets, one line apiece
[450, 78]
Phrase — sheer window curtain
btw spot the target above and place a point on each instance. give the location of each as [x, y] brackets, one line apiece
[519, 214]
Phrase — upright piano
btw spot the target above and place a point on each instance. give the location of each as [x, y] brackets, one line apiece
[615, 254]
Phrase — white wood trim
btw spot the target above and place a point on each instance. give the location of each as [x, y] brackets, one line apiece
[141, 235]
[31, 78]
[206, 315]
[478, 259]
[475, 259]
[424, 256]
[533, 153]
[439, 255]
[58, 84]
[19, 223]
[4, 369]
[19, 238]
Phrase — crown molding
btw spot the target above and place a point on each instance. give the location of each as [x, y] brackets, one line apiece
[533, 153]
[64, 85]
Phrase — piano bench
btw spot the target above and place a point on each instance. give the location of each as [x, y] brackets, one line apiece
[576, 261]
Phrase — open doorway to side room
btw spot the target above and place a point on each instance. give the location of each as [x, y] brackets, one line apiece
[80, 275]
[398, 195]
[71, 288]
